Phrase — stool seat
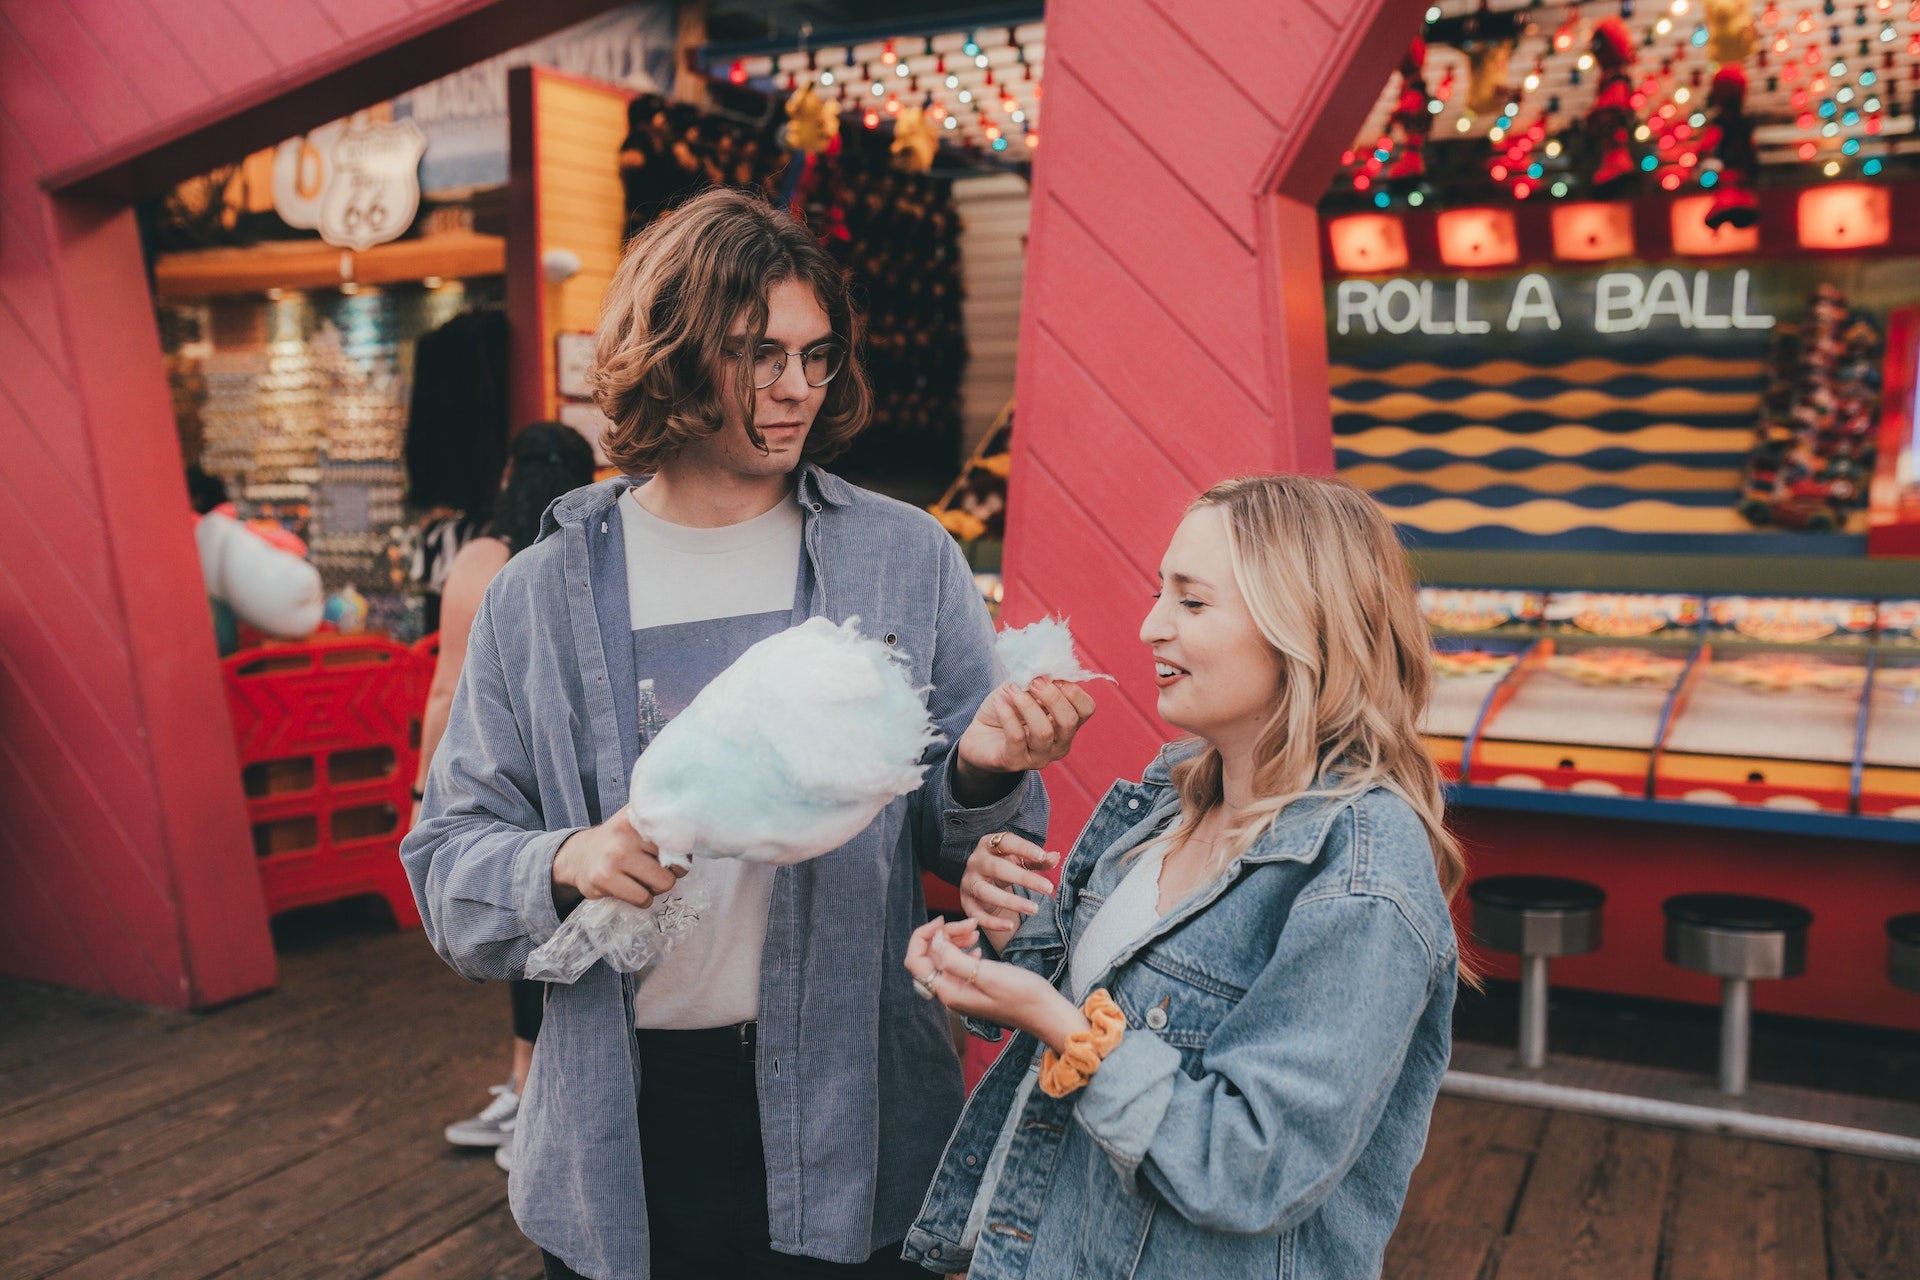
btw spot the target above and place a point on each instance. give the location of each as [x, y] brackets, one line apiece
[1537, 893]
[1536, 915]
[1903, 952]
[1737, 912]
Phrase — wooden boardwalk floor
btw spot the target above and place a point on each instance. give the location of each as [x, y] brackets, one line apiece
[298, 1135]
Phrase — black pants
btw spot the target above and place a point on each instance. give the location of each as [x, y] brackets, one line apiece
[529, 1000]
[706, 1170]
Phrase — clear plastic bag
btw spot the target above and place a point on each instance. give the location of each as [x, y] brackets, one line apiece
[627, 937]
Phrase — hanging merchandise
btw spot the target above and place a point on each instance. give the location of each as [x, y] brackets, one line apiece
[1612, 114]
[457, 417]
[1731, 35]
[915, 141]
[1411, 122]
[1730, 138]
[812, 121]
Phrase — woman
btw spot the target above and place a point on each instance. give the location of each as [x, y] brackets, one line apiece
[543, 462]
[1233, 1014]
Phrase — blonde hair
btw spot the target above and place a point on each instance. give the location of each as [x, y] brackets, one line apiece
[1327, 584]
[684, 280]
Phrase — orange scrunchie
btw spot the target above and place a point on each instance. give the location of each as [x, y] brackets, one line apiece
[1062, 1073]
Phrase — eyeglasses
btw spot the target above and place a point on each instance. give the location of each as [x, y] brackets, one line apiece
[818, 363]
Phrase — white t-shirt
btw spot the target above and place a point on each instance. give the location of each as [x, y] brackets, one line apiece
[699, 598]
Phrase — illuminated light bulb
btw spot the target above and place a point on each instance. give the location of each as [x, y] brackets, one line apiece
[826, 78]
[1670, 181]
[1381, 199]
[1871, 167]
[1496, 133]
[1535, 170]
[966, 95]
[980, 60]
[889, 56]
[1873, 124]
[1434, 106]
[1642, 133]
[1648, 164]
[1830, 130]
[1559, 188]
[1433, 13]
[1018, 117]
[1683, 131]
[1819, 84]
[1826, 110]
[1813, 56]
[1415, 199]
[951, 122]
[1689, 160]
[1463, 124]
[1887, 33]
[953, 82]
[1799, 99]
[1851, 147]
[1521, 190]
[878, 89]
[1361, 182]
[1868, 79]
[1831, 168]
[1806, 120]
[1807, 150]
[1837, 70]
[893, 106]
[1663, 26]
[1033, 140]
[1499, 173]
[1708, 178]
[1871, 104]
[1682, 94]
[902, 70]
[1845, 94]
[1696, 119]
[1553, 148]
[1850, 119]
[1770, 18]
[871, 119]
[1781, 44]
[1585, 63]
[1532, 82]
[999, 144]
[1805, 25]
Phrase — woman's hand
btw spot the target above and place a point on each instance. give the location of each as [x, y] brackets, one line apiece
[980, 988]
[1020, 729]
[997, 863]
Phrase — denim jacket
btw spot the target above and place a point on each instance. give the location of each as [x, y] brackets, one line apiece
[857, 1078]
[1287, 1028]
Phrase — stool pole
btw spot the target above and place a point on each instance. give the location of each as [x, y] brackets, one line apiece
[1533, 1012]
[1736, 1009]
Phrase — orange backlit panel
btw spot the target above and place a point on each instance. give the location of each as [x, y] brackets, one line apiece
[1478, 238]
[1592, 232]
[1693, 238]
[1368, 243]
[1847, 216]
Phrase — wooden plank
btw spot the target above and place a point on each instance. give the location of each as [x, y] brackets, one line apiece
[1873, 1230]
[1113, 331]
[163, 77]
[1207, 133]
[1276, 55]
[97, 91]
[1463, 1193]
[1164, 217]
[291, 32]
[1592, 1209]
[488, 1248]
[1743, 1210]
[54, 132]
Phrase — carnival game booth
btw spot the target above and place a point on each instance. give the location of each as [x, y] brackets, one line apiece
[1620, 317]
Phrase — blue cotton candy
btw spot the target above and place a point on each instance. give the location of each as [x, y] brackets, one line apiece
[1043, 649]
[788, 754]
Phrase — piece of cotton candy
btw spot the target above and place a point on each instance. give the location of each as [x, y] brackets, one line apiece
[1042, 649]
[788, 754]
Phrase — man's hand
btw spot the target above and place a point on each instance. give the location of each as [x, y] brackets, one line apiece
[1020, 729]
[611, 860]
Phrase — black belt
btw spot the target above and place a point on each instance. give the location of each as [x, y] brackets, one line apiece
[736, 1041]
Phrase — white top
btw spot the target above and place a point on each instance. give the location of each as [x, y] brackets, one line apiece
[699, 598]
[1129, 912]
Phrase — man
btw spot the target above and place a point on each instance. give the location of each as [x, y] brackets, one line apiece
[793, 1094]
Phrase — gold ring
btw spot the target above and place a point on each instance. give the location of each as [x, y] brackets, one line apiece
[974, 977]
[993, 841]
[924, 984]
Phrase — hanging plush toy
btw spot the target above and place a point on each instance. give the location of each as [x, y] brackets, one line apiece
[1411, 122]
[1730, 138]
[1731, 36]
[1612, 116]
[812, 121]
[914, 141]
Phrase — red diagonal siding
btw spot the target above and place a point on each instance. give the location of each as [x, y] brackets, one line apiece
[1172, 332]
[125, 861]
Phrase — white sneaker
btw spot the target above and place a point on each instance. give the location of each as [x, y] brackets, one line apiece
[503, 1154]
[492, 1126]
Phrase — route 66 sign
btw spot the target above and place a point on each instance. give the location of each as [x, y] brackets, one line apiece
[373, 184]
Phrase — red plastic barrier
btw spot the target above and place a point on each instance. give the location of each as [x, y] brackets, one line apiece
[325, 733]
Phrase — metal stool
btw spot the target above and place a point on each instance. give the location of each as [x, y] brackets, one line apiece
[1737, 939]
[1536, 918]
[1903, 952]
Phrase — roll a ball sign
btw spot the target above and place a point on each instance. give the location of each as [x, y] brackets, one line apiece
[1611, 302]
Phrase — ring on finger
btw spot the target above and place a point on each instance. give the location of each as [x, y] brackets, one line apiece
[974, 977]
[924, 984]
[993, 841]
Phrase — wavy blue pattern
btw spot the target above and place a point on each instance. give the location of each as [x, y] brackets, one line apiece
[1519, 423]
[1545, 385]
[1603, 460]
[1599, 497]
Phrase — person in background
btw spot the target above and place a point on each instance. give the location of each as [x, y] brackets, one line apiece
[544, 461]
[768, 1098]
[1234, 1013]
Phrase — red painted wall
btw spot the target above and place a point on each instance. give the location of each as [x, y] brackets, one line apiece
[1172, 331]
[125, 861]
